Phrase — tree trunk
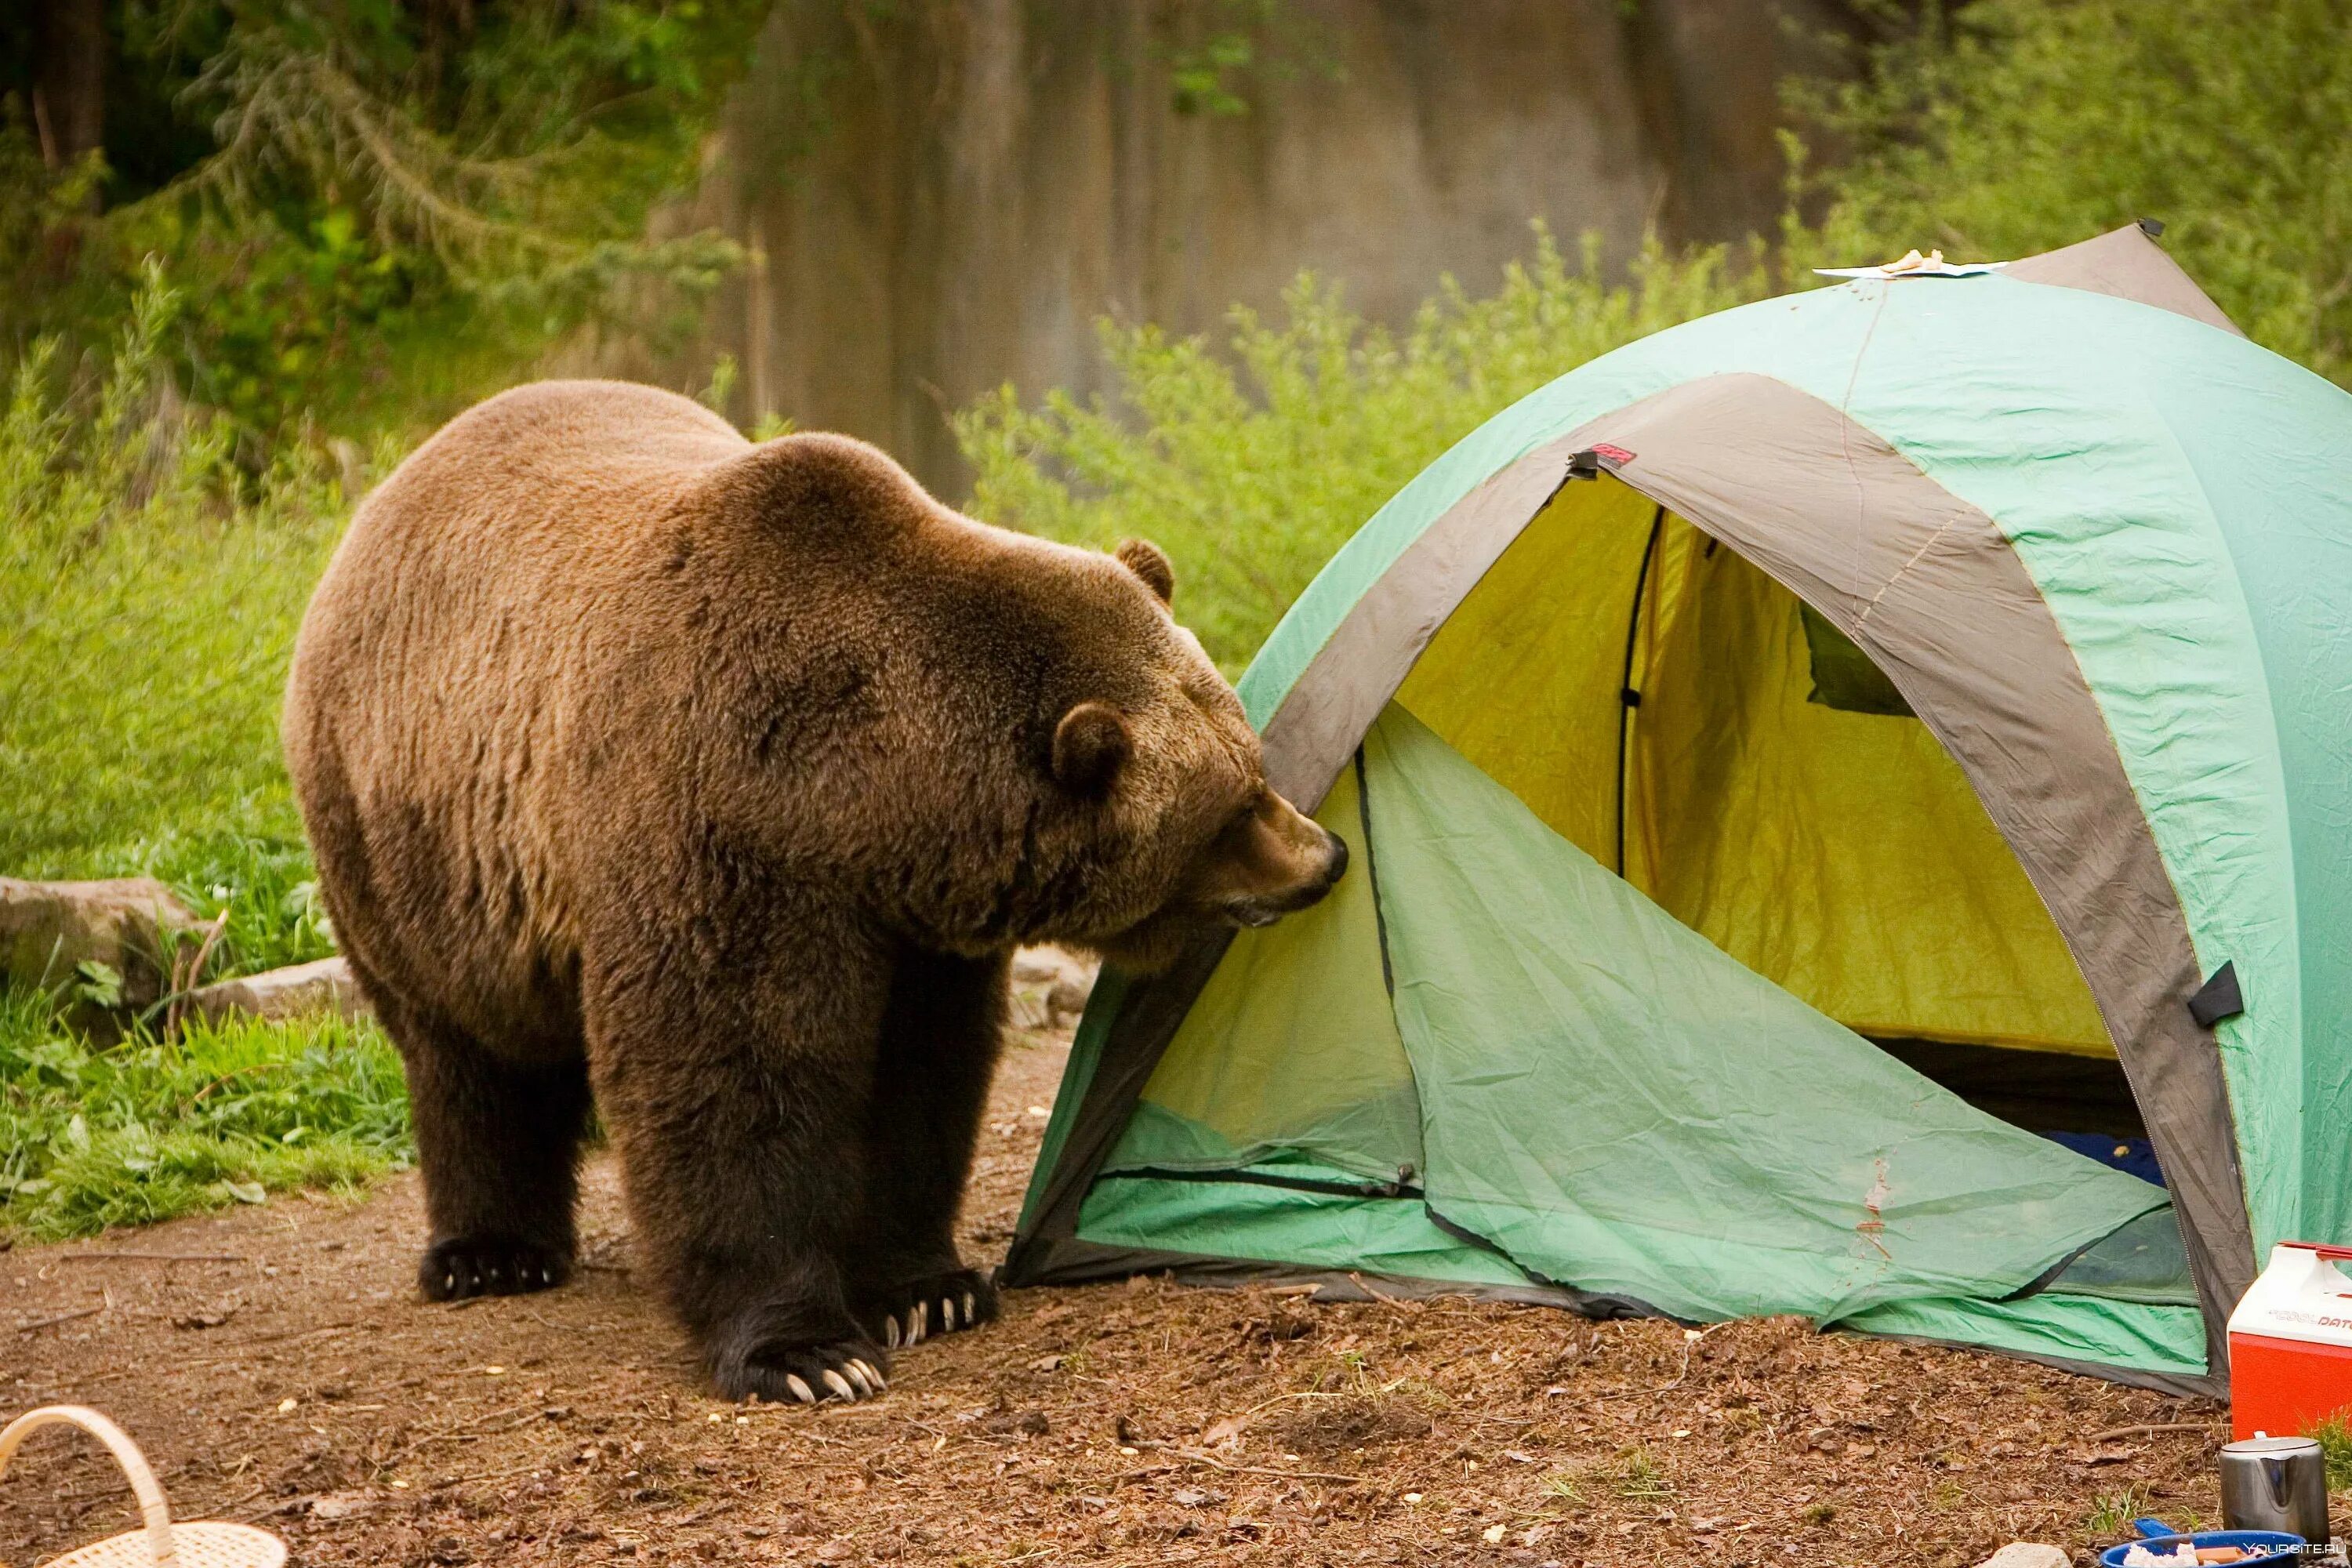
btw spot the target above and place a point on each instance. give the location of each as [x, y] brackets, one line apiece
[69, 83]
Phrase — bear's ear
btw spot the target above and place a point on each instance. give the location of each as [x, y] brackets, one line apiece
[1149, 562]
[1090, 744]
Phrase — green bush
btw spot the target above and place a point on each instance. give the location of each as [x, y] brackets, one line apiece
[1251, 468]
[148, 602]
[144, 1131]
[2007, 127]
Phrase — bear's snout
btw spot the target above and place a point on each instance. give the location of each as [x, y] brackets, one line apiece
[1285, 863]
[1266, 908]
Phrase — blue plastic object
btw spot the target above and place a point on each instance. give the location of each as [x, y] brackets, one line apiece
[2275, 1545]
[2132, 1156]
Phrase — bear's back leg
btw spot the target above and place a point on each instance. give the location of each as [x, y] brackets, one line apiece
[498, 1143]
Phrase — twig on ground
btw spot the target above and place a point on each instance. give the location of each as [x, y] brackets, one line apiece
[1690, 1338]
[1382, 1296]
[1200, 1459]
[39, 1323]
[177, 1013]
[241, 1502]
[149, 1257]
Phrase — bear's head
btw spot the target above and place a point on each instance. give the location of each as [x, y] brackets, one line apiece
[993, 738]
[1160, 828]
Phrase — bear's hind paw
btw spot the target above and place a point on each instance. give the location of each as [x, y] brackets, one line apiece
[843, 1370]
[461, 1266]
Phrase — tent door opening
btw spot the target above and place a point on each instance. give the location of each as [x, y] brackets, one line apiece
[1693, 724]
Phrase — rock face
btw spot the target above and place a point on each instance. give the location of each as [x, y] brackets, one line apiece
[48, 929]
[2028, 1554]
[945, 197]
[324, 987]
[1049, 987]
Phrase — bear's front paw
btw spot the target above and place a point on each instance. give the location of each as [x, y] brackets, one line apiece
[784, 1373]
[909, 1312]
[466, 1265]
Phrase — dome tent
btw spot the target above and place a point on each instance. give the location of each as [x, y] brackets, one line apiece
[1768, 750]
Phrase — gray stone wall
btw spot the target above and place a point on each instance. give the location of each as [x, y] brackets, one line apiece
[945, 197]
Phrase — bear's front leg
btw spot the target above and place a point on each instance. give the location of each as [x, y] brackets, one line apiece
[941, 1038]
[735, 1086]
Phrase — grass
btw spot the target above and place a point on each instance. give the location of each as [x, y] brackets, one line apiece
[2335, 1435]
[2112, 1514]
[95, 1136]
[1633, 1474]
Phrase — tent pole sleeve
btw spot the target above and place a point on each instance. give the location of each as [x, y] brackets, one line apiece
[1373, 869]
[1627, 697]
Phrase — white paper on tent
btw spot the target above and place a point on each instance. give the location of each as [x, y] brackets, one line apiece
[1913, 265]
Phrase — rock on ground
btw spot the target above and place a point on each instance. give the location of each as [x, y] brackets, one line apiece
[1050, 987]
[2028, 1554]
[323, 986]
[47, 929]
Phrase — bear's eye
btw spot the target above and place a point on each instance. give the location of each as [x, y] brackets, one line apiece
[1239, 822]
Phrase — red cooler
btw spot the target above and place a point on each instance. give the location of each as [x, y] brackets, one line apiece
[2291, 1344]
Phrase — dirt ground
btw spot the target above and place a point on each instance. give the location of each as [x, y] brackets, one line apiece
[299, 1383]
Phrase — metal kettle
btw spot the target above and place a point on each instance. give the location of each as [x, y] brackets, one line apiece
[2275, 1483]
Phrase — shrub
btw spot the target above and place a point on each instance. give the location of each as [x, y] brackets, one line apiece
[148, 601]
[2007, 127]
[1251, 470]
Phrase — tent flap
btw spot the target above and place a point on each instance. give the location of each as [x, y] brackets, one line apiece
[1620, 1107]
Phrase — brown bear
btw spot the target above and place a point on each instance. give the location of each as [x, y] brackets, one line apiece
[713, 784]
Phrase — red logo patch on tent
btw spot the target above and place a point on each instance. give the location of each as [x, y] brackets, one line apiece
[1614, 454]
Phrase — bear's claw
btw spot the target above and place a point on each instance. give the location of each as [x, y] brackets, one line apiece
[910, 1313]
[463, 1266]
[843, 1370]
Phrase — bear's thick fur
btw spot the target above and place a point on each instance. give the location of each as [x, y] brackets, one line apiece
[716, 782]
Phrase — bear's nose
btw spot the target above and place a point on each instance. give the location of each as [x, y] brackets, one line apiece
[1335, 861]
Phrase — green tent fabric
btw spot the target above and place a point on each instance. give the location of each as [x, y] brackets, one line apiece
[1750, 1157]
[1593, 1026]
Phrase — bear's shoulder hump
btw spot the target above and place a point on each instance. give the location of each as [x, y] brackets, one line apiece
[820, 480]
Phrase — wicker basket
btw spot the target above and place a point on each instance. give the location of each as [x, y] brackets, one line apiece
[205, 1544]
